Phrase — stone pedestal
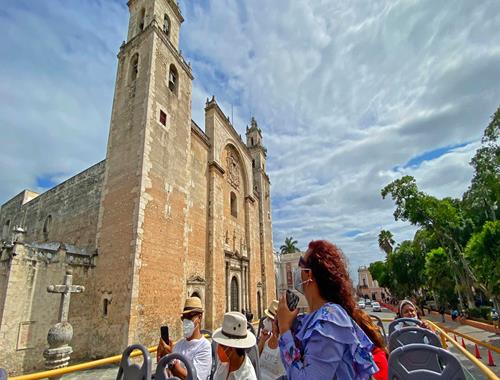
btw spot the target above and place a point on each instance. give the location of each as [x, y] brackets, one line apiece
[59, 352]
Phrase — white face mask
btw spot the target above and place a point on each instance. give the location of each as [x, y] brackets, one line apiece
[267, 325]
[187, 328]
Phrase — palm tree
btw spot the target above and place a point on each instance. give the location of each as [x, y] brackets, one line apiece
[290, 246]
[385, 241]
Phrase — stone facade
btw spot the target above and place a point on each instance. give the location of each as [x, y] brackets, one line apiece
[368, 287]
[173, 211]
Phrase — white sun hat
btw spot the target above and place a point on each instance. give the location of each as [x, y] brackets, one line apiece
[233, 332]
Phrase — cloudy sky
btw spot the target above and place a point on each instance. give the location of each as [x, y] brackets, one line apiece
[349, 94]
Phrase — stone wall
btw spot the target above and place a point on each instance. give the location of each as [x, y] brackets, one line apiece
[66, 213]
[28, 310]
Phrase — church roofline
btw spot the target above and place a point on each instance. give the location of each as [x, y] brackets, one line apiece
[212, 103]
[55, 187]
[200, 133]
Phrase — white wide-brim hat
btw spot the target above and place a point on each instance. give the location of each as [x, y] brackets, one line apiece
[233, 332]
[272, 310]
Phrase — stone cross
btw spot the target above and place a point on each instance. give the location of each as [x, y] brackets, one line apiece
[65, 291]
[59, 336]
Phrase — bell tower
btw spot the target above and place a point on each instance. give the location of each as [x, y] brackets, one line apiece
[262, 186]
[145, 193]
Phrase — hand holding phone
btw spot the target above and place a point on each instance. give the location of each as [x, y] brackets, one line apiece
[164, 334]
[292, 300]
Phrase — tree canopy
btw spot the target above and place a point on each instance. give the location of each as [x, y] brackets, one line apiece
[456, 250]
[289, 246]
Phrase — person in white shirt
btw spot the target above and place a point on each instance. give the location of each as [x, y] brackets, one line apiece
[232, 340]
[271, 366]
[194, 346]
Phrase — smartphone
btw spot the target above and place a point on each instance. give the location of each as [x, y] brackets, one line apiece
[164, 334]
[292, 300]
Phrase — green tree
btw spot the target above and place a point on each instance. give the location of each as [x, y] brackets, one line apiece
[406, 265]
[386, 241]
[444, 218]
[482, 198]
[290, 246]
[439, 276]
[483, 252]
[378, 270]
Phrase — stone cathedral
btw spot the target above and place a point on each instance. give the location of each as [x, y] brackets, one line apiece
[174, 210]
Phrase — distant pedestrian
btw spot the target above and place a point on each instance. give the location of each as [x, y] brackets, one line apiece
[441, 311]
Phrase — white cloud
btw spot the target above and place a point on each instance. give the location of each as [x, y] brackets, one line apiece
[344, 93]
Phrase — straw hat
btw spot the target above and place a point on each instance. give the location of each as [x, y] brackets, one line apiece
[192, 305]
[233, 332]
[273, 309]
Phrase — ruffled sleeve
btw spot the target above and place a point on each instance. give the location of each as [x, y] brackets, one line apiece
[326, 342]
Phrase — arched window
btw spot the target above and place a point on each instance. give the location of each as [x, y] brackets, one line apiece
[196, 294]
[253, 163]
[46, 227]
[235, 302]
[142, 16]
[166, 25]
[105, 305]
[6, 229]
[134, 67]
[234, 205]
[251, 140]
[173, 79]
[259, 305]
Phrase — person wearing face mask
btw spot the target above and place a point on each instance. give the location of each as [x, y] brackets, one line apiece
[327, 342]
[194, 346]
[232, 340]
[271, 367]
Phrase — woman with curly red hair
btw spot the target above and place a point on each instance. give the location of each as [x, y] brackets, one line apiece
[327, 342]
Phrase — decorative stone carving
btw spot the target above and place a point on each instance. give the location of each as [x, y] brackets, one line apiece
[233, 174]
[195, 280]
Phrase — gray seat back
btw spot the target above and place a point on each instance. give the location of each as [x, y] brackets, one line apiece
[215, 359]
[380, 326]
[207, 333]
[161, 373]
[411, 335]
[403, 322]
[132, 371]
[421, 361]
[253, 355]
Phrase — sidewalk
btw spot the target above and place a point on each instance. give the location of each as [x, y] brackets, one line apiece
[480, 325]
[473, 332]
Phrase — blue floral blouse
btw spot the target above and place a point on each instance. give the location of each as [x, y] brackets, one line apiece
[327, 344]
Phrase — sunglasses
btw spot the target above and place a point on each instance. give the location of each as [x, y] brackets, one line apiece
[302, 262]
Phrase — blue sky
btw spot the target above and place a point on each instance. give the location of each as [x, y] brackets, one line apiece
[350, 95]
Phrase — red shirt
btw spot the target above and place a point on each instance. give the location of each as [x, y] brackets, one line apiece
[380, 359]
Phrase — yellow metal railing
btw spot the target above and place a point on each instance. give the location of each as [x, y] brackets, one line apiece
[474, 340]
[488, 373]
[77, 367]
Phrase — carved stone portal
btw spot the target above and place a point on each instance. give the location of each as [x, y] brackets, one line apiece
[233, 174]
